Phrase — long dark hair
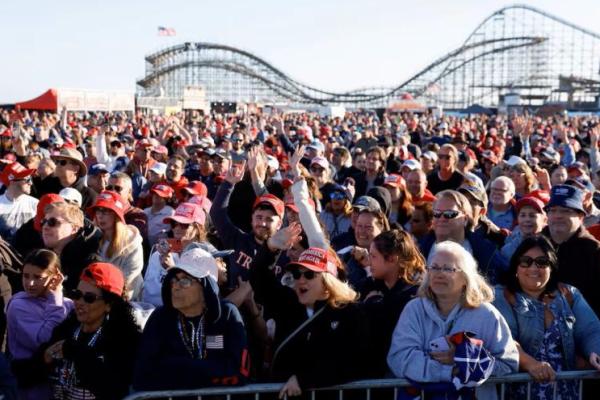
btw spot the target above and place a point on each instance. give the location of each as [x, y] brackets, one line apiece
[410, 260]
[510, 278]
[120, 316]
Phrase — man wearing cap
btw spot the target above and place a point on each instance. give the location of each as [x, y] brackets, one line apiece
[159, 210]
[481, 223]
[266, 219]
[428, 161]
[445, 176]
[348, 238]
[578, 252]
[321, 171]
[16, 204]
[142, 160]
[408, 166]
[592, 213]
[70, 172]
[97, 177]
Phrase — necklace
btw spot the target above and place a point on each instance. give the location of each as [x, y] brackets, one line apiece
[194, 344]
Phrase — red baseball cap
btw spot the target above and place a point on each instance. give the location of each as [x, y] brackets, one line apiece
[106, 276]
[489, 155]
[111, 200]
[273, 201]
[161, 149]
[196, 188]
[394, 180]
[316, 259]
[143, 143]
[164, 191]
[530, 201]
[187, 213]
[14, 172]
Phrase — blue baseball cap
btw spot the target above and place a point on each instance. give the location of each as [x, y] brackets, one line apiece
[566, 196]
[98, 169]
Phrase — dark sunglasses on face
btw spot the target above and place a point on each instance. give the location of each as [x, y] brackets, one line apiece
[308, 275]
[448, 214]
[176, 224]
[540, 262]
[62, 163]
[115, 188]
[52, 222]
[88, 297]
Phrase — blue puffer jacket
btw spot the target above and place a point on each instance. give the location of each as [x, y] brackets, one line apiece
[164, 362]
[579, 326]
[489, 259]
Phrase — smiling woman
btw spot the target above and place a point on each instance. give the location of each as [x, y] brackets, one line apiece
[553, 324]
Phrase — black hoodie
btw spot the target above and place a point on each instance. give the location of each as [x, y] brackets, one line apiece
[164, 362]
[79, 253]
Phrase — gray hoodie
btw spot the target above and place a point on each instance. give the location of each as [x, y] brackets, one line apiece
[421, 322]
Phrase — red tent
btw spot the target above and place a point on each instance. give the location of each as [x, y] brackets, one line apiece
[48, 101]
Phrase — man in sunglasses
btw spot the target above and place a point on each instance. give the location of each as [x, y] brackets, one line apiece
[578, 252]
[70, 172]
[16, 204]
[446, 175]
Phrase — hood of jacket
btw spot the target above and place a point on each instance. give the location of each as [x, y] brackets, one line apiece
[211, 296]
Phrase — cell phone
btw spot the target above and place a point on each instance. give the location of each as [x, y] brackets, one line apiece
[439, 344]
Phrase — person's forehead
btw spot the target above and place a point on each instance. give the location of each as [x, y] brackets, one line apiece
[175, 162]
[445, 203]
[499, 185]
[528, 209]
[264, 212]
[85, 286]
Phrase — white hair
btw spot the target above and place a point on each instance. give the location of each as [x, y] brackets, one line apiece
[509, 182]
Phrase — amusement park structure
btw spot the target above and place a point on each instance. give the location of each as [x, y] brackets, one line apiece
[518, 50]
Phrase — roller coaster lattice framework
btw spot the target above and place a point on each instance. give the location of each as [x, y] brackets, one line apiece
[517, 49]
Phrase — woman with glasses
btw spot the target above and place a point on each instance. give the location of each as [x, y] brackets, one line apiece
[452, 299]
[31, 316]
[92, 353]
[452, 221]
[195, 339]
[186, 227]
[397, 267]
[321, 335]
[338, 212]
[65, 232]
[554, 326]
[121, 244]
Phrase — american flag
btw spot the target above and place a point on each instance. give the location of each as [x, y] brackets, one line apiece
[163, 31]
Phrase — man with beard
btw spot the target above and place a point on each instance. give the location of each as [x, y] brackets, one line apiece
[174, 175]
[16, 204]
[267, 218]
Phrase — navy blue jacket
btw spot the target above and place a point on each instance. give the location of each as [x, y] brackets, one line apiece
[164, 363]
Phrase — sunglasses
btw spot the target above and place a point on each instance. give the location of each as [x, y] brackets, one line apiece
[25, 180]
[337, 196]
[51, 222]
[183, 283]
[62, 163]
[115, 188]
[444, 156]
[88, 297]
[540, 262]
[308, 275]
[448, 214]
[181, 225]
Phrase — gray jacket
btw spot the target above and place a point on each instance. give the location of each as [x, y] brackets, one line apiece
[421, 322]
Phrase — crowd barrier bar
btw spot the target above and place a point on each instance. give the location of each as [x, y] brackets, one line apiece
[366, 385]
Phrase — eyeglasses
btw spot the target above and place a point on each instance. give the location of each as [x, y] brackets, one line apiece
[444, 156]
[52, 222]
[444, 269]
[308, 275]
[115, 188]
[174, 224]
[88, 297]
[183, 283]
[24, 180]
[448, 214]
[540, 262]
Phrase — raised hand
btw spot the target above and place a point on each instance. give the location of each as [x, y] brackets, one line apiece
[235, 173]
[295, 160]
[285, 238]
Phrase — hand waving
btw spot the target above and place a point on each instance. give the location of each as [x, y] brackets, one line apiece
[235, 173]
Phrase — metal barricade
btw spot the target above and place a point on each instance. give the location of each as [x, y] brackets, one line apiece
[367, 387]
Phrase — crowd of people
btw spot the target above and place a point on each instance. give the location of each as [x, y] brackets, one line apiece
[156, 252]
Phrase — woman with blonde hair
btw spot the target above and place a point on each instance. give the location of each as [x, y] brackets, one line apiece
[321, 335]
[453, 300]
[121, 244]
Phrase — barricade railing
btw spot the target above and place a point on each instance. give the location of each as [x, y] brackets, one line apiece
[367, 387]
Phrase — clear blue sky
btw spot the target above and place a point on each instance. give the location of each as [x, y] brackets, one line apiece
[335, 45]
